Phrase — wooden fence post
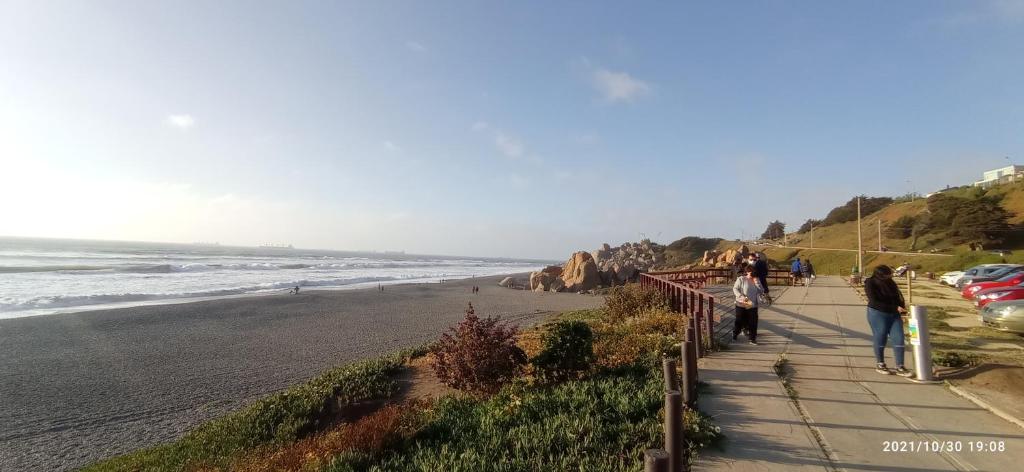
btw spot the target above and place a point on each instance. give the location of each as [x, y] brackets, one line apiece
[674, 430]
[668, 366]
[689, 360]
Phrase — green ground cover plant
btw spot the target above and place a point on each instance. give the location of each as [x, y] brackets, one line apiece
[277, 419]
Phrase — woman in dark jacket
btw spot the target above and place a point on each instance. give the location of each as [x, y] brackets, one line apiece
[885, 305]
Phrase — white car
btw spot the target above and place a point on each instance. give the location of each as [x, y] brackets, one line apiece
[951, 278]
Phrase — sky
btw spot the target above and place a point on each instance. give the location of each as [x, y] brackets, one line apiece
[506, 129]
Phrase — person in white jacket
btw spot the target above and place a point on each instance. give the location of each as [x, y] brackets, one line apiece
[747, 290]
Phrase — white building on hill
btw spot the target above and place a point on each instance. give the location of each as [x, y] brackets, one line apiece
[1001, 176]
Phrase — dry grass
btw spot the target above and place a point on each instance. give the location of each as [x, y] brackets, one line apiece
[373, 432]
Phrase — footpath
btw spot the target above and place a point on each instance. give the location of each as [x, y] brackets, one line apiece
[834, 412]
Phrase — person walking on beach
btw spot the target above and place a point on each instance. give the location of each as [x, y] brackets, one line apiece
[806, 269]
[295, 291]
[885, 307]
[794, 271]
[747, 290]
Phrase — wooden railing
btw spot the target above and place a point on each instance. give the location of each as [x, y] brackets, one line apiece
[685, 297]
[684, 290]
[704, 277]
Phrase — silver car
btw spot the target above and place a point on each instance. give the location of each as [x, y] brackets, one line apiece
[979, 271]
[1004, 316]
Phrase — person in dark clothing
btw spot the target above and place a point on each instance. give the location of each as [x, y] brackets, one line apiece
[885, 305]
[761, 272]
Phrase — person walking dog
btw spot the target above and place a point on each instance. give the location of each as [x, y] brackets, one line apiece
[747, 290]
[885, 307]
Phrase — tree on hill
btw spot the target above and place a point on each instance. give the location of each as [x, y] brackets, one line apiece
[808, 225]
[848, 212]
[979, 219]
[776, 230]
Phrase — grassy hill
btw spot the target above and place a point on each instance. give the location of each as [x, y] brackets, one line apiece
[937, 237]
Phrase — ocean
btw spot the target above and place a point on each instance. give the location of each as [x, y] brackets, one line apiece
[46, 276]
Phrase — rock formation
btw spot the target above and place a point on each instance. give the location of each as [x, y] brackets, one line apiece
[715, 258]
[606, 266]
[580, 273]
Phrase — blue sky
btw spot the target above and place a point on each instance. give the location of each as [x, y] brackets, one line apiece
[519, 129]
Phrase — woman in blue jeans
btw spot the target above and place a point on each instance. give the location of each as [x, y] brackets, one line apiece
[885, 305]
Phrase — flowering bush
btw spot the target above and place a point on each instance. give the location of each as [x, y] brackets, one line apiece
[478, 355]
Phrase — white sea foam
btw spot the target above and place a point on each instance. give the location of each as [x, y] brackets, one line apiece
[45, 276]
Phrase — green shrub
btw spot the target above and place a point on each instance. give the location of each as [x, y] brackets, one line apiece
[568, 350]
[631, 300]
[478, 355]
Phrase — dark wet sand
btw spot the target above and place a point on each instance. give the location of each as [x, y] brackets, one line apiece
[76, 388]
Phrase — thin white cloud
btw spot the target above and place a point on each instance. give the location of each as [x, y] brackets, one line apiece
[415, 46]
[508, 145]
[480, 126]
[619, 86]
[390, 146]
[180, 121]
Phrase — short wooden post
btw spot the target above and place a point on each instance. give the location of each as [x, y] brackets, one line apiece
[689, 360]
[668, 366]
[674, 430]
[698, 334]
[656, 460]
[711, 323]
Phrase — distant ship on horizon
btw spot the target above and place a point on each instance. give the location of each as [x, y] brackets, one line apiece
[276, 246]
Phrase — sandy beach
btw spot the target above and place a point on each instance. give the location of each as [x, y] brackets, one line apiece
[76, 388]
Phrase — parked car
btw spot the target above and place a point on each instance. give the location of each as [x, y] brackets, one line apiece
[950, 278]
[978, 271]
[1012, 278]
[1000, 294]
[1004, 316]
[1009, 270]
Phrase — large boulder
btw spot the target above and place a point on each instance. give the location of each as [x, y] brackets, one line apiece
[580, 273]
[557, 285]
[507, 282]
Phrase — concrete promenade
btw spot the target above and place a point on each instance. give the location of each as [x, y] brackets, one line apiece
[838, 413]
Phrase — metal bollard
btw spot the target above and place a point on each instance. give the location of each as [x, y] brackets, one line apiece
[668, 366]
[655, 460]
[922, 346]
[674, 430]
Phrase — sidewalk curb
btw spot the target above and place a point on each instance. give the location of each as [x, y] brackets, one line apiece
[977, 401]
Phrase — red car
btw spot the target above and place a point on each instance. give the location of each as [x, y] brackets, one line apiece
[972, 289]
[1000, 294]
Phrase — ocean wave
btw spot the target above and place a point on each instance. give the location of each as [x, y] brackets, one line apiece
[9, 304]
[54, 268]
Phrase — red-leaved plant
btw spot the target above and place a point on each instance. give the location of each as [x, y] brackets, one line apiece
[478, 355]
